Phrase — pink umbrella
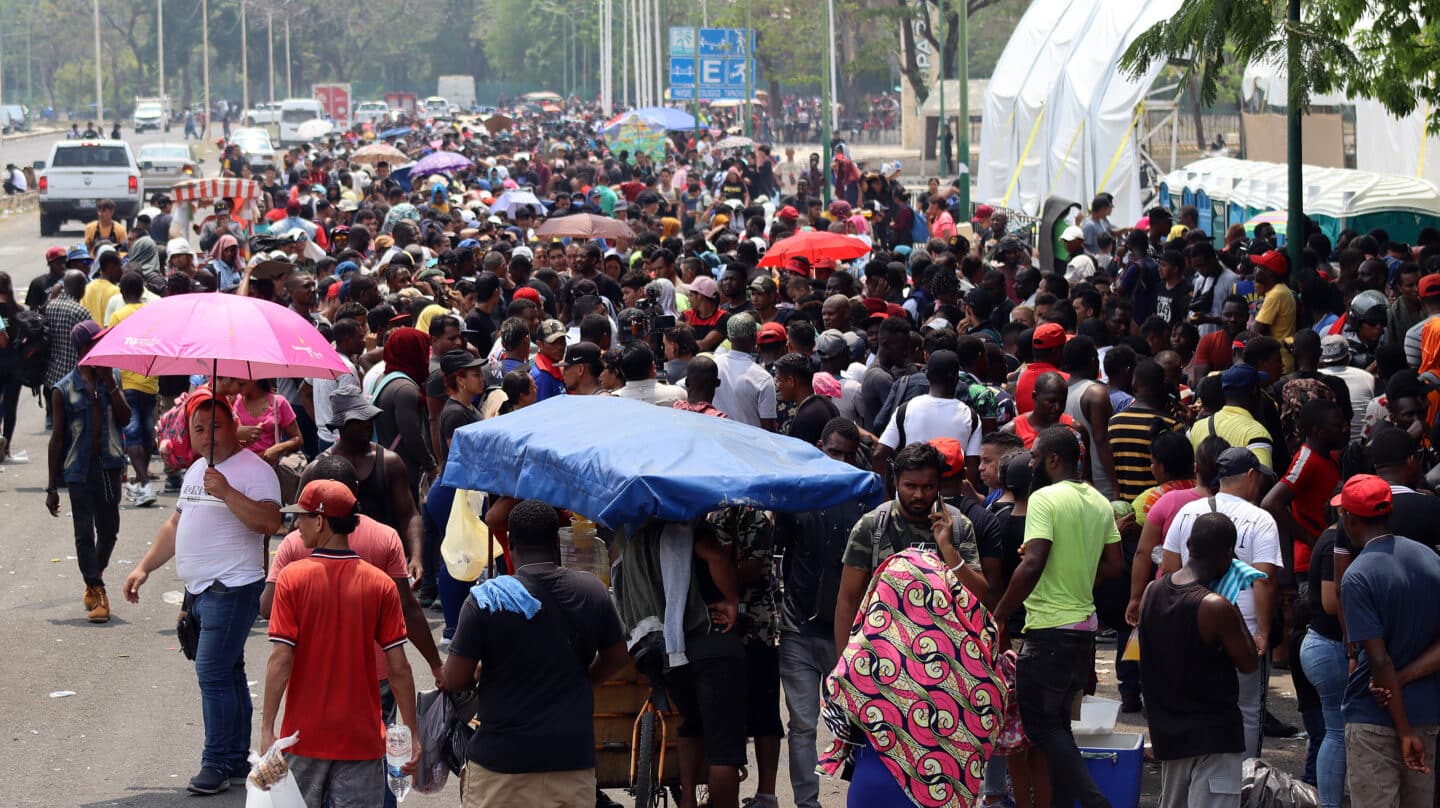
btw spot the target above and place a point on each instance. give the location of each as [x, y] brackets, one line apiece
[217, 334]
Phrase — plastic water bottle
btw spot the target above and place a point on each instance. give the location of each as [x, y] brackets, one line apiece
[397, 754]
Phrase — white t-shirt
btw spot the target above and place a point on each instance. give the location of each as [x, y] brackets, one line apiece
[1257, 539]
[746, 392]
[320, 394]
[1362, 391]
[928, 418]
[211, 543]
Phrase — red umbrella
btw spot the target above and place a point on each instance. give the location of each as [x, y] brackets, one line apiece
[814, 245]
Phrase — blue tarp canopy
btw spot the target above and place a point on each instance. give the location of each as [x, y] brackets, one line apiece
[622, 462]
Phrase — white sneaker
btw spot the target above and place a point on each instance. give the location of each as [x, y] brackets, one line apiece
[144, 495]
[131, 491]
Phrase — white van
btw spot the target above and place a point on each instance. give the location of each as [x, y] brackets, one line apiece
[293, 112]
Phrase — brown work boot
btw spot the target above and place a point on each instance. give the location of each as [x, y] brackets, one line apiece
[101, 612]
[92, 596]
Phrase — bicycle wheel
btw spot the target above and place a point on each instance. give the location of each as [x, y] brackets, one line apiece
[647, 792]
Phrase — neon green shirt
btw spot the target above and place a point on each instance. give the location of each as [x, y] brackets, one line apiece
[1078, 522]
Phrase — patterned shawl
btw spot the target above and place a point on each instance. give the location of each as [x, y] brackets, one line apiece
[918, 682]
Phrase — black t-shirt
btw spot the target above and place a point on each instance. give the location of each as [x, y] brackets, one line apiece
[1170, 303]
[1012, 535]
[483, 330]
[1322, 569]
[810, 418]
[1413, 515]
[987, 526]
[536, 705]
[453, 416]
[732, 189]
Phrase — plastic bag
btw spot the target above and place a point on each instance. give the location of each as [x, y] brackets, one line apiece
[284, 792]
[436, 717]
[468, 545]
[1263, 786]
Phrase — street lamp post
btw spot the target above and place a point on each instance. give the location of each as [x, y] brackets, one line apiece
[205, 52]
[944, 127]
[244, 64]
[1295, 215]
[749, 60]
[826, 101]
[289, 77]
[270, 35]
[963, 125]
[160, 55]
[99, 85]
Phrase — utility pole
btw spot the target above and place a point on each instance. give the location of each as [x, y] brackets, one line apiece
[625, 51]
[826, 102]
[99, 85]
[1295, 214]
[695, 110]
[940, 139]
[963, 125]
[205, 52]
[289, 77]
[749, 57]
[244, 65]
[270, 35]
[160, 55]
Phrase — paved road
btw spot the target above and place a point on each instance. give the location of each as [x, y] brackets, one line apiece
[131, 734]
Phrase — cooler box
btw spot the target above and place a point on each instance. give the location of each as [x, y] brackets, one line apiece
[1116, 760]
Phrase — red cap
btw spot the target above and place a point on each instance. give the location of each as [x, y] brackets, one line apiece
[203, 395]
[333, 291]
[952, 453]
[771, 333]
[55, 254]
[1365, 496]
[1430, 286]
[1049, 335]
[529, 293]
[983, 212]
[788, 212]
[895, 310]
[875, 306]
[325, 497]
[1273, 260]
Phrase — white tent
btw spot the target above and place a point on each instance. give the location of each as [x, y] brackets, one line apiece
[1060, 114]
[1383, 143]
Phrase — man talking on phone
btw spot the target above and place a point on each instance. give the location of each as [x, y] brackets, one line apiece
[916, 517]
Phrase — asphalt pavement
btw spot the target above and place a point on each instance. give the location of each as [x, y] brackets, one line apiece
[109, 715]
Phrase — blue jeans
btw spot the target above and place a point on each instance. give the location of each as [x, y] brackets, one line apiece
[226, 615]
[140, 432]
[1328, 669]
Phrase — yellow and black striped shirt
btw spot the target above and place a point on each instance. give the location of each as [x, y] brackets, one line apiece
[1131, 433]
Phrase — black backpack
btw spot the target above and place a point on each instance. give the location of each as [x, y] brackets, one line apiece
[32, 347]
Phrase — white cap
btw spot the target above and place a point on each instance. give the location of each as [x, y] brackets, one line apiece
[525, 251]
[1071, 233]
[179, 246]
[1080, 268]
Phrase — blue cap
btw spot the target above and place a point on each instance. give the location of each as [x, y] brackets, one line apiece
[346, 266]
[1242, 377]
[902, 249]
[77, 253]
[467, 244]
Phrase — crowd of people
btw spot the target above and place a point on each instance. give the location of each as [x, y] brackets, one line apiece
[1150, 433]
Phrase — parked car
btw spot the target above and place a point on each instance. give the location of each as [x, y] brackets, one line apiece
[376, 113]
[14, 118]
[162, 165]
[255, 147]
[437, 107]
[263, 114]
[79, 174]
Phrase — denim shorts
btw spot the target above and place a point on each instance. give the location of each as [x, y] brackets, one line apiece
[140, 432]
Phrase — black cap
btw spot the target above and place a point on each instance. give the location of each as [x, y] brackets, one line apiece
[402, 259]
[581, 353]
[943, 364]
[222, 206]
[459, 359]
[1239, 460]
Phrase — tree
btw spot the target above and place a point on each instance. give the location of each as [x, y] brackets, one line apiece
[917, 35]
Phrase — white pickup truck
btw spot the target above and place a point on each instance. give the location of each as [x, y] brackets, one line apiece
[79, 174]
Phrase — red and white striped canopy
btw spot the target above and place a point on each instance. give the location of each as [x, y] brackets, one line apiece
[208, 189]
